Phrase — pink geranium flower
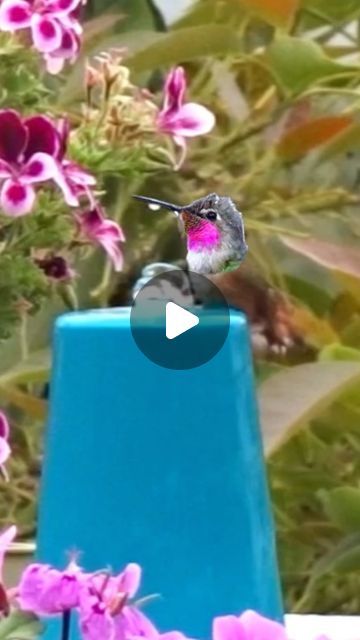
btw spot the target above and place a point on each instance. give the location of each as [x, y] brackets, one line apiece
[72, 179]
[95, 227]
[249, 626]
[53, 25]
[44, 590]
[181, 120]
[104, 611]
[27, 147]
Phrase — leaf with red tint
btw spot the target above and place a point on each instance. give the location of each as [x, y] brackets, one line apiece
[341, 258]
[305, 137]
[279, 13]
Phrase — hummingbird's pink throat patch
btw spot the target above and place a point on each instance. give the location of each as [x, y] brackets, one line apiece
[201, 234]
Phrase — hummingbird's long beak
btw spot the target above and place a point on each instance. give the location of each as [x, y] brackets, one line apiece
[159, 203]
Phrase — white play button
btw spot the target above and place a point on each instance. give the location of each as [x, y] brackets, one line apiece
[178, 320]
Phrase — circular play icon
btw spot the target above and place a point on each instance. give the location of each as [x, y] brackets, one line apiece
[179, 319]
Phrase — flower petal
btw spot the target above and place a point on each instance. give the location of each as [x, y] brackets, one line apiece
[78, 175]
[96, 623]
[4, 426]
[31, 587]
[54, 65]
[46, 33]
[114, 253]
[132, 623]
[14, 15]
[191, 120]
[63, 7]
[69, 191]
[5, 169]
[129, 579]
[13, 135]
[16, 199]
[181, 142]
[6, 538]
[39, 168]
[5, 451]
[174, 90]
[228, 628]
[258, 627]
[69, 46]
[42, 136]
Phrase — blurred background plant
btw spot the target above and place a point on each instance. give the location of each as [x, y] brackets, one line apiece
[283, 79]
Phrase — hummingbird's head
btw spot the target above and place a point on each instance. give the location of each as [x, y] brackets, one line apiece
[214, 229]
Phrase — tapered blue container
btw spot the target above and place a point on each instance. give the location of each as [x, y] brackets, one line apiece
[160, 467]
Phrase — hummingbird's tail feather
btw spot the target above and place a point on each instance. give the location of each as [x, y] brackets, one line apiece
[159, 203]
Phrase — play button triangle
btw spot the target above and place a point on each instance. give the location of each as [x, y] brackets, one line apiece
[178, 320]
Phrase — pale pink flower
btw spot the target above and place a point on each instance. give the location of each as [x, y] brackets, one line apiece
[249, 626]
[53, 24]
[98, 229]
[44, 590]
[181, 120]
[6, 538]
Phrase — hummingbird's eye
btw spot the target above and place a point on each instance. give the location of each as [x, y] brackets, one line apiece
[211, 215]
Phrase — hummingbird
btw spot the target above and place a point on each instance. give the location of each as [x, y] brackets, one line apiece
[216, 248]
[214, 229]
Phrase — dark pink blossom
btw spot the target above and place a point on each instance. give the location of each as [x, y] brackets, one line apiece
[56, 268]
[27, 147]
[44, 590]
[181, 120]
[53, 24]
[249, 626]
[98, 229]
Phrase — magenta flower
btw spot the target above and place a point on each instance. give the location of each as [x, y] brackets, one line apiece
[53, 25]
[44, 590]
[27, 147]
[96, 228]
[104, 609]
[5, 450]
[72, 179]
[249, 626]
[181, 120]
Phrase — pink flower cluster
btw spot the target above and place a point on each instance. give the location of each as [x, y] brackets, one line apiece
[53, 25]
[105, 604]
[33, 152]
[102, 601]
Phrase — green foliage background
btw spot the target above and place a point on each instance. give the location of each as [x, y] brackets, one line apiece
[284, 82]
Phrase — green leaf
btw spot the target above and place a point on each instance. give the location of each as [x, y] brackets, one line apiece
[33, 369]
[339, 351]
[332, 10]
[343, 558]
[185, 44]
[342, 506]
[20, 626]
[289, 399]
[297, 64]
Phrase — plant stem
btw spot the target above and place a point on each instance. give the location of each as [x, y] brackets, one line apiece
[65, 626]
